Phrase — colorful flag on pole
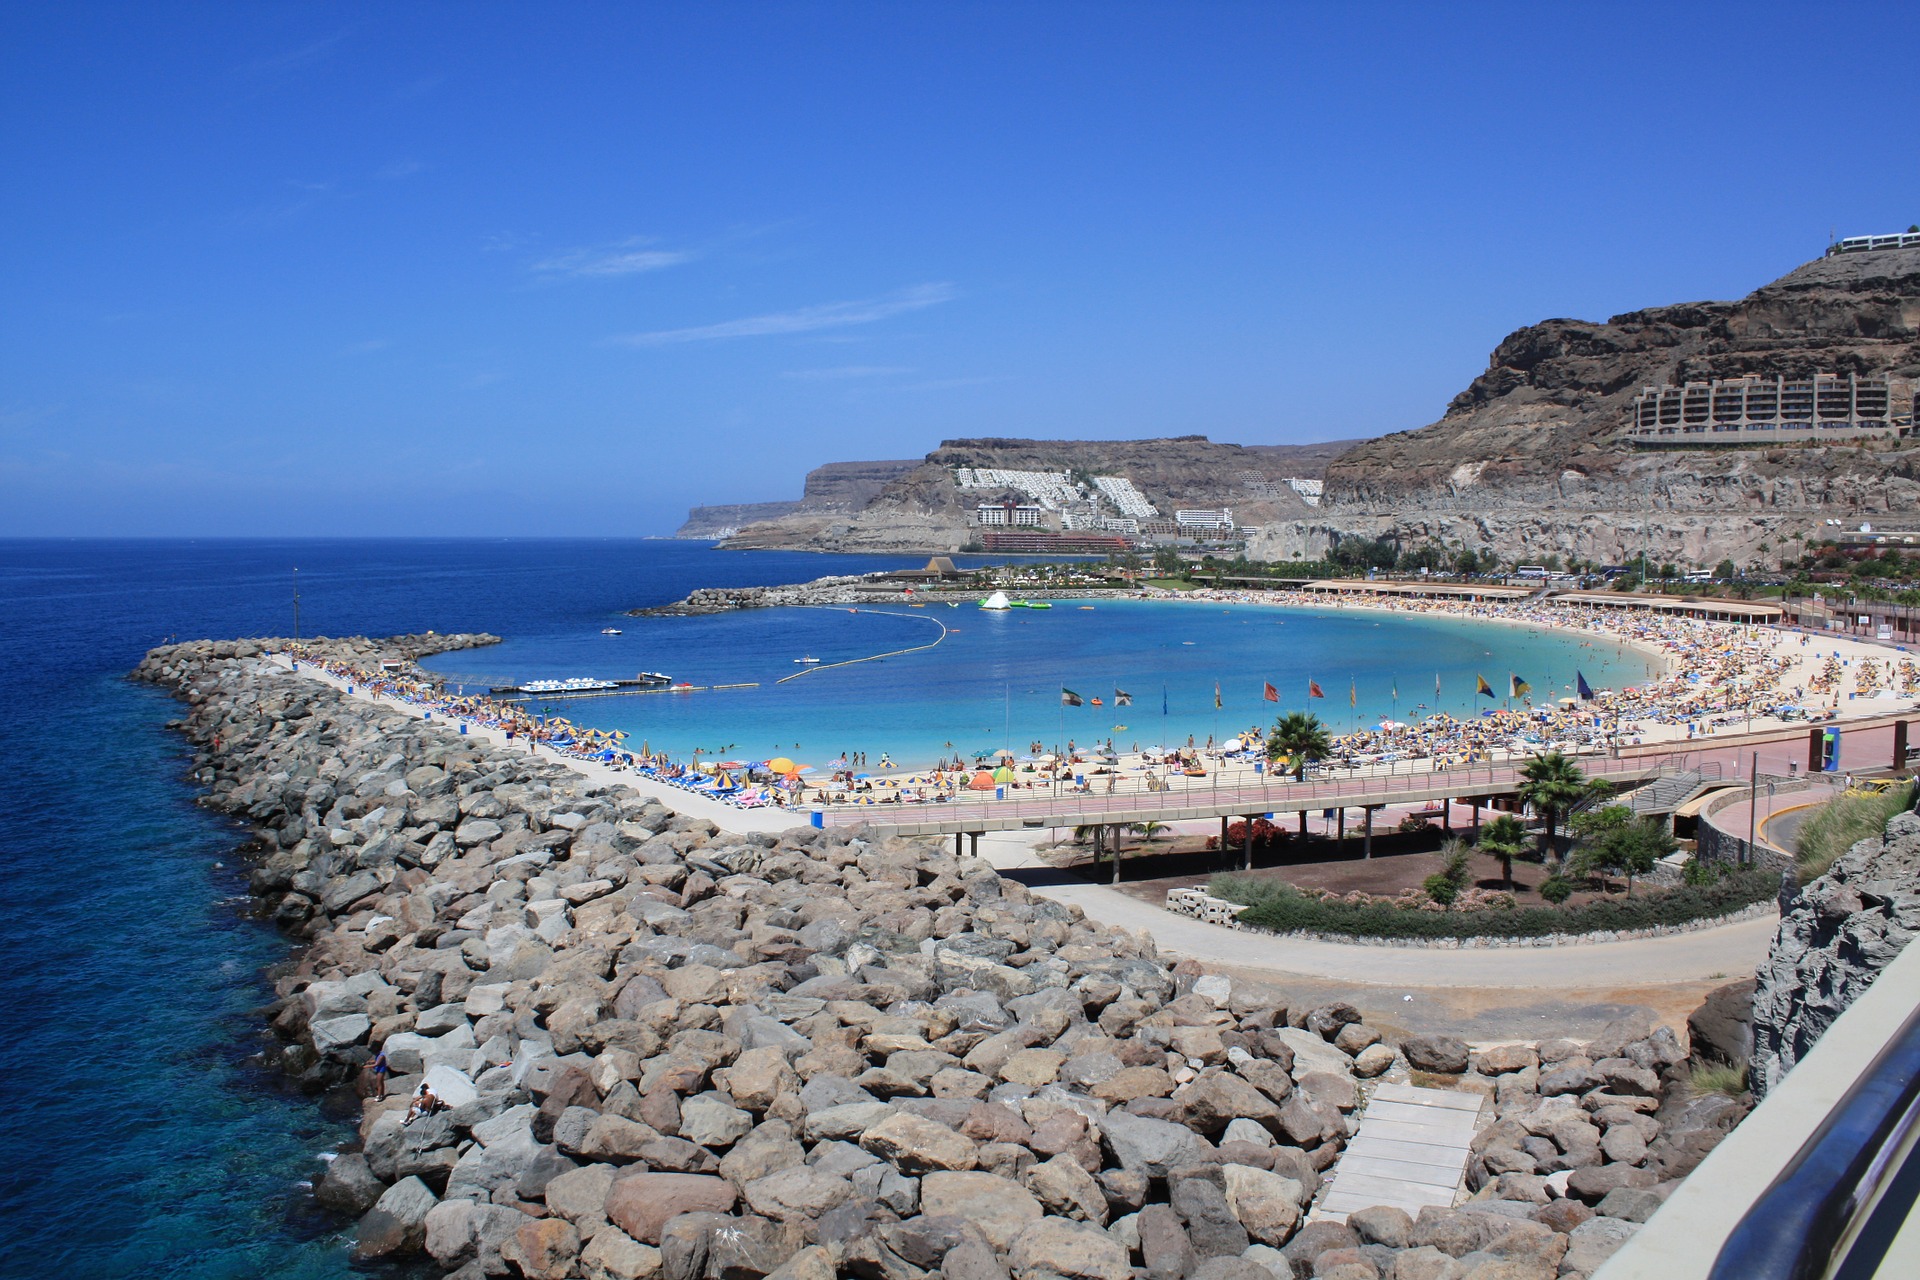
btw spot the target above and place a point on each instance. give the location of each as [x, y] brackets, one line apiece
[1271, 694]
[1581, 687]
[1436, 686]
[1068, 698]
[1396, 689]
[1163, 699]
[1314, 690]
[1216, 695]
[1353, 693]
[1484, 688]
[1519, 688]
[1121, 698]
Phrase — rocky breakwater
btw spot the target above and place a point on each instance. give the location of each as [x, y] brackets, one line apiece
[1843, 929]
[665, 1050]
[705, 600]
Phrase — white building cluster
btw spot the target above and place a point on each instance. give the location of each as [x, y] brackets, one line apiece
[1126, 499]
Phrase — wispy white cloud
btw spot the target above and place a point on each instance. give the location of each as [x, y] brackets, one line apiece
[828, 315]
[627, 258]
[846, 371]
[294, 59]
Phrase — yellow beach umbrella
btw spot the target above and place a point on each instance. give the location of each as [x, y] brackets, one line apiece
[780, 764]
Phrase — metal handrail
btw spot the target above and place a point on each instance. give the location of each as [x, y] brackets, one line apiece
[1799, 1223]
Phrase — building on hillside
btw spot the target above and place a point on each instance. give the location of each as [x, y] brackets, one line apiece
[1865, 244]
[1009, 514]
[1045, 542]
[1205, 521]
[1758, 410]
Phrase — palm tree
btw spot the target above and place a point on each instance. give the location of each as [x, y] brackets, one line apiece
[1505, 838]
[1148, 830]
[1553, 784]
[1302, 737]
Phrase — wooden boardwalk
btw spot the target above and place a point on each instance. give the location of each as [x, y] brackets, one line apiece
[1410, 1152]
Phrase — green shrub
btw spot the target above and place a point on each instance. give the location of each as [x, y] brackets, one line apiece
[1843, 823]
[1715, 1078]
[1556, 889]
[1440, 888]
[1284, 910]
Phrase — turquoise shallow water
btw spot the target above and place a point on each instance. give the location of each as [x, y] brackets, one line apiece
[995, 679]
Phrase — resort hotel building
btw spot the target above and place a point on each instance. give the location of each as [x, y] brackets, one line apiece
[1757, 410]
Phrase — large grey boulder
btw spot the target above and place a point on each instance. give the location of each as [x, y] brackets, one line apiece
[397, 1224]
[1151, 1147]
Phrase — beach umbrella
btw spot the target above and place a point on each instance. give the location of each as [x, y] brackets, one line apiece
[1003, 753]
[984, 755]
[982, 781]
[780, 764]
[729, 764]
[1003, 774]
[1232, 744]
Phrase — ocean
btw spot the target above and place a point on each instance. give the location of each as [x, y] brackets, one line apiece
[144, 1139]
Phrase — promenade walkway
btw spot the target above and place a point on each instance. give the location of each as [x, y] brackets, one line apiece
[1866, 746]
[1725, 951]
[724, 816]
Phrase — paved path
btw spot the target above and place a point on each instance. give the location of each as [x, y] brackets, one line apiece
[1410, 1152]
[1728, 951]
[724, 816]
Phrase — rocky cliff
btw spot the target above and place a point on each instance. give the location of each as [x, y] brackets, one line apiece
[925, 508]
[1532, 457]
[837, 486]
[1845, 928]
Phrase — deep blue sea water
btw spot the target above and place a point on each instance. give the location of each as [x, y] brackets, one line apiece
[141, 1139]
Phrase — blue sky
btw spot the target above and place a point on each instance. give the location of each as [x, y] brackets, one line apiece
[490, 269]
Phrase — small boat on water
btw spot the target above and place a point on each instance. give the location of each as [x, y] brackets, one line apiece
[1040, 604]
[1086, 608]
[809, 660]
[610, 631]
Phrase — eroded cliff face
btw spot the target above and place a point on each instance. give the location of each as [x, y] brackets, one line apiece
[1532, 457]
[924, 509]
[837, 486]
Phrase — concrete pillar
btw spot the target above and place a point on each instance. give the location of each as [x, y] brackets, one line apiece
[1813, 751]
[1475, 836]
[1366, 845]
[1116, 862]
[1340, 841]
[1899, 744]
[1446, 816]
[1226, 853]
[957, 837]
[973, 843]
[1247, 862]
[1099, 832]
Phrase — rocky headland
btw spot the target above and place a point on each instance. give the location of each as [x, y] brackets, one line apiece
[923, 508]
[1530, 460]
[667, 1050]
